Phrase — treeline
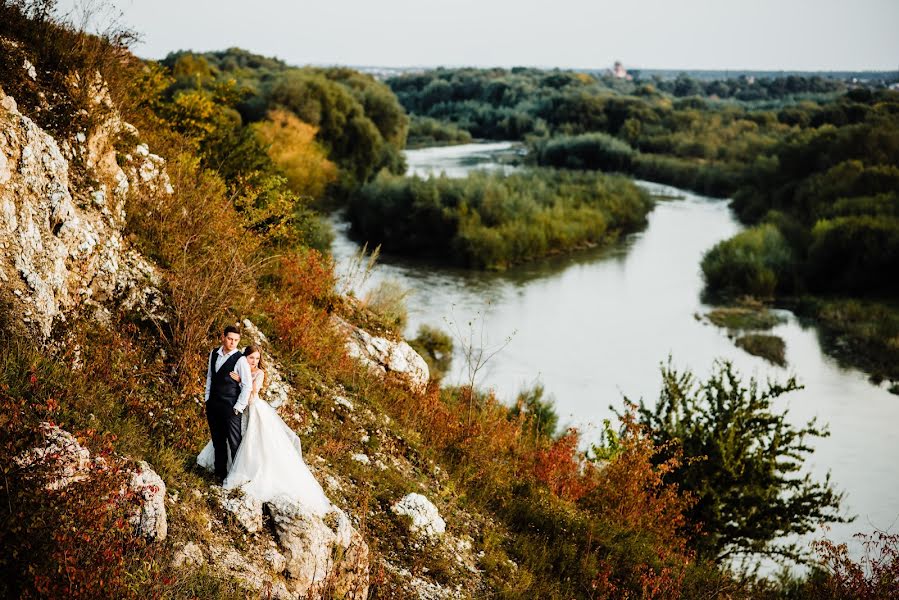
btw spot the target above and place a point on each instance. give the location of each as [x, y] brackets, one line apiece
[494, 221]
[357, 120]
[690, 142]
[750, 89]
[826, 207]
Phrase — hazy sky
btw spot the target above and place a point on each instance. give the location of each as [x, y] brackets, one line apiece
[668, 34]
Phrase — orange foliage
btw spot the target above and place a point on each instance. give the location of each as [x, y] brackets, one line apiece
[301, 308]
[291, 145]
[632, 490]
[563, 470]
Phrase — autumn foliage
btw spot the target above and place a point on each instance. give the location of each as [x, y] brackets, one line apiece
[300, 307]
[875, 575]
[291, 144]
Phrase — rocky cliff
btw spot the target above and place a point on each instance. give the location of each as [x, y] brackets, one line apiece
[63, 252]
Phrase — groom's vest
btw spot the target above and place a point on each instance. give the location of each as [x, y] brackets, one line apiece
[223, 388]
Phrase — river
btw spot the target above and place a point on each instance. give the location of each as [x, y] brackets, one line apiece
[594, 326]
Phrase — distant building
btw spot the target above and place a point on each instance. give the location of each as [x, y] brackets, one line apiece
[619, 72]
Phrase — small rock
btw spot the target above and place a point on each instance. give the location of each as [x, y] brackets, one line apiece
[189, 555]
[361, 458]
[246, 508]
[275, 559]
[29, 68]
[426, 520]
[343, 402]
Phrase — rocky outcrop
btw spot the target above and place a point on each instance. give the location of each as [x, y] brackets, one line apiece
[150, 520]
[61, 246]
[324, 557]
[246, 509]
[424, 519]
[61, 453]
[67, 462]
[384, 355]
[319, 556]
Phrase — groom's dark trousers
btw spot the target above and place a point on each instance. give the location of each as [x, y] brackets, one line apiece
[224, 425]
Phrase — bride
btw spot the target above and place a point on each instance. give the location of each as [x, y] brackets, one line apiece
[269, 461]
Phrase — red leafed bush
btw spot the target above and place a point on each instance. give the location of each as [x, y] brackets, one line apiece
[75, 541]
[563, 470]
[301, 307]
[633, 492]
[875, 575]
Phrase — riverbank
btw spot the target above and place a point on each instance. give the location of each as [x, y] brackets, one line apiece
[594, 325]
[860, 333]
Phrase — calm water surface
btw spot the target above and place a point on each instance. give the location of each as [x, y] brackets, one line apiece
[595, 326]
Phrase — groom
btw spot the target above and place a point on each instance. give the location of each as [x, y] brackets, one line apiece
[225, 398]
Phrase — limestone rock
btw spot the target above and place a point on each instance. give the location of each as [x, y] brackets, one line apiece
[322, 555]
[150, 520]
[384, 355]
[189, 555]
[61, 452]
[60, 253]
[245, 508]
[426, 520]
[275, 559]
[422, 588]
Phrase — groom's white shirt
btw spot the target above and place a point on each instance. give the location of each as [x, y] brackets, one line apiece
[243, 369]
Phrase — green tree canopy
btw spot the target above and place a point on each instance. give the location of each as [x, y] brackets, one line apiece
[744, 462]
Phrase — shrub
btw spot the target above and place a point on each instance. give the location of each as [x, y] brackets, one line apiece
[756, 262]
[425, 131]
[769, 347]
[388, 301]
[208, 279]
[436, 347]
[493, 221]
[539, 414]
[853, 254]
[302, 298]
[587, 151]
[875, 575]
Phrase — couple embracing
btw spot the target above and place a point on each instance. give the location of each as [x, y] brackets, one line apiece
[251, 447]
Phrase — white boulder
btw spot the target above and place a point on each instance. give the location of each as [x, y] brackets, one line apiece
[150, 519]
[425, 518]
[383, 355]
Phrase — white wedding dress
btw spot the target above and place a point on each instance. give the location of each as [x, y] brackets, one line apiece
[269, 461]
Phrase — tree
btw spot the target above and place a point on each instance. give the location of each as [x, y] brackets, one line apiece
[743, 463]
[291, 145]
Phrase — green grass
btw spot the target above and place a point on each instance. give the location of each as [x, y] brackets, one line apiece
[769, 347]
[744, 318]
